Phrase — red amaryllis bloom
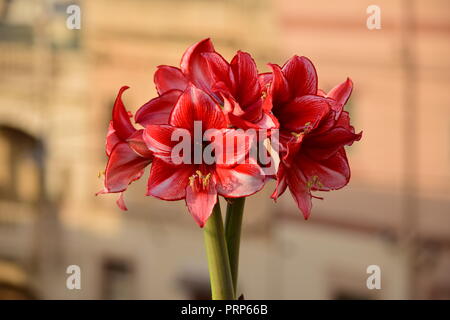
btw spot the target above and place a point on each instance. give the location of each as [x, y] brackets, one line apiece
[234, 86]
[199, 183]
[127, 152]
[313, 132]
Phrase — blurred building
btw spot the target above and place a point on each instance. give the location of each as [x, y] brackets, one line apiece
[56, 94]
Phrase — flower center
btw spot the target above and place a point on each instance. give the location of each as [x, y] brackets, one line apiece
[297, 135]
[314, 183]
[199, 181]
[306, 129]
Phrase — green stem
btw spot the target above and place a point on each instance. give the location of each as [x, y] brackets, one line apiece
[217, 254]
[233, 224]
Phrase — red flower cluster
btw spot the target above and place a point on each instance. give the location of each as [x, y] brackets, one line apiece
[229, 98]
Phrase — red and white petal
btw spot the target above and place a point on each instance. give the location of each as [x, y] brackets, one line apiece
[344, 122]
[253, 112]
[303, 113]
[230, 105]
[291, 148]
[195, 105]
[321, 93]
[195, 67]
[231, 146]
[330, 174]
[264, 80]
[161, 139]
[323, 146]
[168, 78]
[240, 181]
[157, 110]
[121, 118]
[124, 166]
[279, 92]
[341, 93]
[168, 182]
[248, 90]
[121, 202]
[281, 183]
[137, 143]
[268, 121]
[222, 78]
[200, 202]
[111, 139]
[297, 183]
[301, 76]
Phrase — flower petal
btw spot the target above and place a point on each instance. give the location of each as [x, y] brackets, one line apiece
[111, 139]
[279, 92]
[121, 202]
[325, 145]
[267, 121]
[341, 93]
[248, 90]
[195, 105]
[194, 65]
[240, 181]
[264, 80]
[330, 174]
[168, 182]
[244, 119]
[124, 166]
[297, 183]
[138, 145]
[301, 76]
[157, 110]
[168, 78]
[231, 146]
[201, 202]
[222, 78]
[120, 117]
[291, 147]
[159, 140]
[281, 183]
[303, 113]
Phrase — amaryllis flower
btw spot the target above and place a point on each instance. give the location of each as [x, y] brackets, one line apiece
[313, 132]
[234, 86]
[199, 183]
[127, 152]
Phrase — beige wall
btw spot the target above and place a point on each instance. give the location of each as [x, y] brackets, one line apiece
[64, 98]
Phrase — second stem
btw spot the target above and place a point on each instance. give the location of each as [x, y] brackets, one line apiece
[217, 254]
[233, 225]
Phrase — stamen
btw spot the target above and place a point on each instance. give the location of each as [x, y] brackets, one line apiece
[206, 180]
[199, 181]
[297, 135]
[314, 183]
[192, 180]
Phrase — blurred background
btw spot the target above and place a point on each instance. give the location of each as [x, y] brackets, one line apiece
[57, 88]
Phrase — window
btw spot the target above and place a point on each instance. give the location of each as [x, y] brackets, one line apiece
[118, 280]
[21, 166]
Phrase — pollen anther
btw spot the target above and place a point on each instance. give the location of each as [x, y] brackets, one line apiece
[199, 181]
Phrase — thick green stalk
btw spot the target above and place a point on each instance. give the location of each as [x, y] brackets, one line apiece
[233, 224]
[217, 254]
